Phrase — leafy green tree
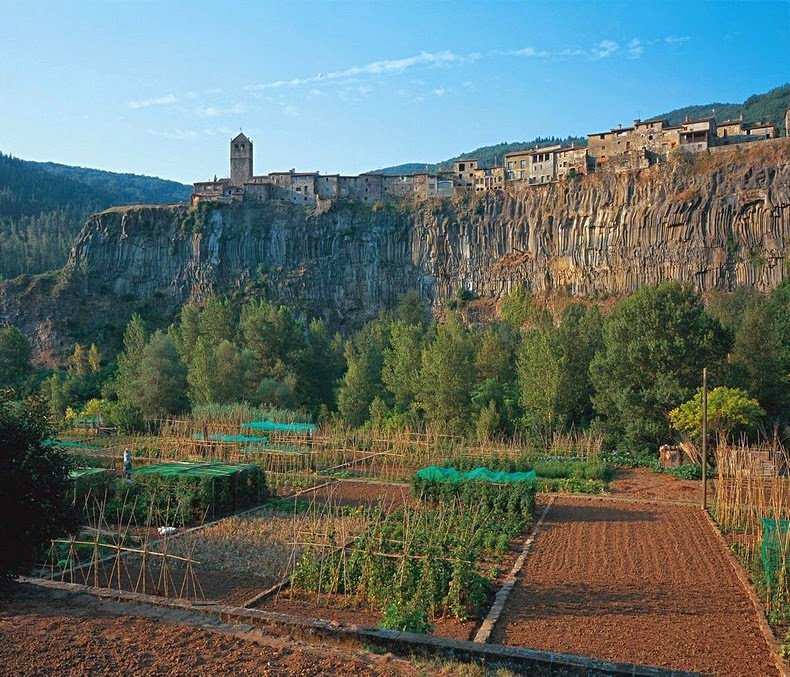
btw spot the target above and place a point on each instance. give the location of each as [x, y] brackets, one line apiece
[15, 353]
[187, 332]
[411, 309]
[580, 336]
[517, 308]
[655, 344]
[402, 367]
[495, 357]
[364, 354]
[219, 320]
[201, 374]
[728, 408]
[321, 367]
[275, 337]
[134, 341]
[229, 382]
[34, 504]
[448, 374]
[542, 372]
[160, 388]
[57, 393]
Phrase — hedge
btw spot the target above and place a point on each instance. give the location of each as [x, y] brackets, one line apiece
[508, 497]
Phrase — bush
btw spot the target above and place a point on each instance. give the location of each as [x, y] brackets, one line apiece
[543, 467]
[34, 487]
[406, 619]
[570, 485]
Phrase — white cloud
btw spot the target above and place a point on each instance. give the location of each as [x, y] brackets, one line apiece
[670, 39]
[439, 91]
[157, 101]
[218, 111]
[384, 67]
[635, 49]
[604, 49]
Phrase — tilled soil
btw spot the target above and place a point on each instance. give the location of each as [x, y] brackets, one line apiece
[646, 483]
[634, 582]
[46, 632]
[356, 493]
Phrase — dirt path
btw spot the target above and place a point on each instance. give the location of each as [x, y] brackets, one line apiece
[47, 632]
[634, 582]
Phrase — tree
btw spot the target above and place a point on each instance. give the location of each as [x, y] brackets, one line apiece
[403, 364]
[201, 374]
[495, 357]
[448, 376]
[728, 408]
[94, 359]
[275, 337]
[15, 353]
[517, 307]
[411, 309]
[655, 344]
[542, 372]
[580, 336]
[321, 366]
[160, 388]
[78, 362]
[34, 505]
[361, 383]
[134, 341]
[219, 320]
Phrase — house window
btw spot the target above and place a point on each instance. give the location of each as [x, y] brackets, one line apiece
[523, 164]
[522, 175]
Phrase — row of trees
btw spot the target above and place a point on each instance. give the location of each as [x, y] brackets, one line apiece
[530, 372]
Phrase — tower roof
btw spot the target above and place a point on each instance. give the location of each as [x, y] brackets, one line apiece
[240, 137]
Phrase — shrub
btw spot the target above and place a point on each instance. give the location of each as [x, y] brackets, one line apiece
[514, 497]
[406, 619]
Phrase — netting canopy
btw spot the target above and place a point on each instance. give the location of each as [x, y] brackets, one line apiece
[232, 438]
[193, 469]
[478, 474]
[772, 548]
[85, 472]
[273, 426]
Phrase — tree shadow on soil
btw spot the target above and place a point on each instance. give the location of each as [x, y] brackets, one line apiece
[599, 513]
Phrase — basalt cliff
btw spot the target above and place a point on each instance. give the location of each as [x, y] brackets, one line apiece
[715, 221]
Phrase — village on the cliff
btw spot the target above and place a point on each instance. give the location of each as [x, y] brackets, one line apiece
[620, 149]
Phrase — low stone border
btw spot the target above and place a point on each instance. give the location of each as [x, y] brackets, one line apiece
[401, 643]
[743, 577]
[487, 626]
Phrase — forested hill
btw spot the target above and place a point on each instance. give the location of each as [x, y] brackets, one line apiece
[767, 107]
[44, 205]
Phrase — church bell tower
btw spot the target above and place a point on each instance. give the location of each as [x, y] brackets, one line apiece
[240, 160]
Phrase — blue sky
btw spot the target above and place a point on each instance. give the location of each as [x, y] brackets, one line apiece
[159, 87]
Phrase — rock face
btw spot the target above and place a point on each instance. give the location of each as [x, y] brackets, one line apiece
[715, 221]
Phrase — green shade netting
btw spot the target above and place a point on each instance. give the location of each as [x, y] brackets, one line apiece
[83, 472]
[478, 474]
[85, 420]
[193, 469]
[278, 448]
[70, 444]
[280, 427]
[232, 438]
[775, 542]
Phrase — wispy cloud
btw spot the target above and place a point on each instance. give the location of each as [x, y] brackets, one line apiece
[157, 101]
[604, 49]
[218, 111]
[635, 49]
[384, 67]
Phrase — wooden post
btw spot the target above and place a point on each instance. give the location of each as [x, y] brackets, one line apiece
[705, 438]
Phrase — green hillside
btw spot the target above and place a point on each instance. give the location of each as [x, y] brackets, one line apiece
[767, 107]
[44, 205]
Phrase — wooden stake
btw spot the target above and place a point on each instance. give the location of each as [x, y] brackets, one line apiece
[705, 438]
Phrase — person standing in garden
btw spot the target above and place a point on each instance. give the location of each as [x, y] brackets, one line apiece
[127, 465]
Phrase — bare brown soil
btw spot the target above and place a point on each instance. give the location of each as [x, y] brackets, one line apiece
[345, 611]
[634, 582]
[47, 632]
[646, 483]
[355, 493]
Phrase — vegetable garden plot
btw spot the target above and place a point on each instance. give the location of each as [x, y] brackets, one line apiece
[196, 490]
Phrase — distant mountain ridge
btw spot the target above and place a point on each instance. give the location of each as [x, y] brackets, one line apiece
[767, 107]
[44, 205]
